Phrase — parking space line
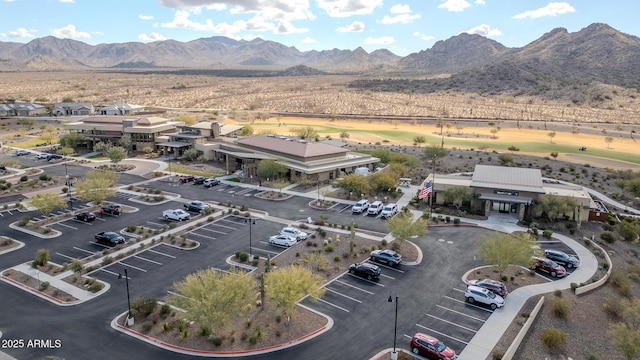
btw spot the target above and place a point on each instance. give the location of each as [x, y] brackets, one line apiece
[265, 251]
[385, 266]
[369, 281]
[87, 251]
[355, 287]
[154, 223]
[111, 272]
[145, 259]
[343, 295]
[215, 231]
[131, 266]
[461, 313]
[200, 235]
[452, 323]
[225, 226]
[467, 303]
[65, 225]
[344, 208]
[334, 305]
[459, 290]
[443, 334]
[66, 256]
[161, 253]
[387, 276]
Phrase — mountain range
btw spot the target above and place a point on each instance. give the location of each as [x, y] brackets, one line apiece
[597, 53]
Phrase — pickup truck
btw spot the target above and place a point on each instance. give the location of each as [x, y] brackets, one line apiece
[177, 215]
[196, 206]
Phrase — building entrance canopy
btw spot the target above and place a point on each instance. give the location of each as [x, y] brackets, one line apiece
[506, 198]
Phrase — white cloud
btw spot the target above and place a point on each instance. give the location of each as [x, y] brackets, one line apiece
[309, 40]
[269, 9]
[402, 19]
[67, 1]
[8, 0]
[356, 26]
[346, 8]
[400, 9]
[383, 40]
[70, 32]
[480, 2]
[181, 21]
[20, 33]
[423, 36]
[552, 9]
[285, 27]
[454, 5]
[146, 17]
[484, 30]
[154, 36]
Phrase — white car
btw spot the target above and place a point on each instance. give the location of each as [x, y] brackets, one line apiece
[375, 208]
[22, 152]
[282, 240]
[42, 156]
[295, 233]
[389, 210]
[177, 215]
[360, 206]
[477, 294]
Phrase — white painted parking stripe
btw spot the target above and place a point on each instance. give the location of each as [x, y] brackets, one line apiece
[224, 226]
[466, 302]
[145, 259]
[452, 323]
[461, 313]
[214, 231]
[161, 253]
[355, 287]
[334, 305]
[87, 251]
[459, 290]
[66, 256]
[387, 276]
[265, 251]
[65, 225]
[343, 295]
[443, 334]
[112, 273]
[344, 208]
[385, 266]
[369, 281]
[200, 235]
[154, 223]
[131, 266]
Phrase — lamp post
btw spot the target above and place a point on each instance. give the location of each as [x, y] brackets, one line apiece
[394, 354]
[126, 277]
[251, 222]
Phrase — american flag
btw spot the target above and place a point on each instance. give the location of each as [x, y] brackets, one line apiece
[426, 190]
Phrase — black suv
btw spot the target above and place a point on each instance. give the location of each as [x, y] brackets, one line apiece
[113, 209]
[365, 270]
[562, 258]
[53, 157]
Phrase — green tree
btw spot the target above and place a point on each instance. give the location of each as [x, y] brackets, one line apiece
[247, 130]
[188, 119]
[402, 226]
[308, 132]
[286, 286]
[65, 151]
[72, 139]
[502, 250]
[211, 297]
[505, 158]
[354, 183]
[383, 181]
[419, 140]
[102, 146]
[96, 186]
[434, 153]
[344, 136]
[191, 154]
[397, 170]
[147, 150]
[556, 206]
[457, 196]
[116, 154]
[554, 155]
[608, 140]
[270, 168]
[26, 123]
[46, 202]
[48, 137]
[125, 141]
[551, 135]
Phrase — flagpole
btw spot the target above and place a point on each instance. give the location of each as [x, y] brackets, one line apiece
[433, 187]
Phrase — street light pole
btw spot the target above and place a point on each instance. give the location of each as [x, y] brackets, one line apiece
[394, 354]
[126, 277]
[251, 223]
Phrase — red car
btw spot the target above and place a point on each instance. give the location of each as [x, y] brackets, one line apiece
[186, 178]
[550, 267]
[431, 348]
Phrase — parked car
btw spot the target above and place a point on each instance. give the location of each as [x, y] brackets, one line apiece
[177, 215]
[389, 210]
[550, 267]
[2, 167]
[199, 180]
[562, 258]
[388, 257]
[113, 209]
[109, 238]
[85, 216]
[211, 182]
[431, 348]
[497, 287]
[22, 152]
[477, 294]
[294, 233]
[186, 178]
[360, 206]
[196, 206]
[53, 157]
[42, 156]
[365, 270]
[282, 240]
[375, 208]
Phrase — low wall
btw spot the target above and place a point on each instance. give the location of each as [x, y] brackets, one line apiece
[511, 351]
[596, 284]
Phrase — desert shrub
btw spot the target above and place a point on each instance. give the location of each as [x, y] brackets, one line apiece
[204, 330]
[165, 309]
[42, 257]
[608, 236]
[24, 220]
[95, 287]
[547, 234]
[131, 228]
[554, 338]
[560, 307]
[76, 266]
[147, 326]
[44, 177]
[614, 307]
[242, 256]
[24, 178]
[328, 248]
[143, 306]
[44, 285]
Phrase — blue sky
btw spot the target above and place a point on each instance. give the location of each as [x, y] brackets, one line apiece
[402, 26]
